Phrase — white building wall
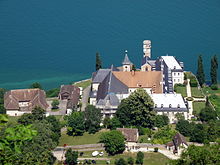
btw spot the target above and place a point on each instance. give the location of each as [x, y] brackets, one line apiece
[177, 78]
[95, 86]
[92, 101]
[15, 113]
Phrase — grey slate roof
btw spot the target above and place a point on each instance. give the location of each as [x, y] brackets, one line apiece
[111, 85]
[148, 60]
[100, 75]
[126, 60]
[110, 98]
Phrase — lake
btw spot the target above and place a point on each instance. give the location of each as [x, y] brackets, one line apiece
[54, 42]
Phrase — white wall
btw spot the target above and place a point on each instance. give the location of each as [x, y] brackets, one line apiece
[95, 86]
[15, 113]
[177, 78]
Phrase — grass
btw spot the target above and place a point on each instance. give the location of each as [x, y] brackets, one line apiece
[215, 100]
[79, 140]
[83, 84]
[13, 119]
[150, 158]
[196, 92]
[208, 91]
[181, 90]
[197, 106]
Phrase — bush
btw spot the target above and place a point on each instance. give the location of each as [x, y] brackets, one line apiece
[189, 98]
[130, 161]
[55, 104]
[120, 161]
[53, 92]
[193, 83]
[140, 158]
[214, 87]
[155, 149]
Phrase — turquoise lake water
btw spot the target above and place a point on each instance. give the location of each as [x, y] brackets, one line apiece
[54, 42]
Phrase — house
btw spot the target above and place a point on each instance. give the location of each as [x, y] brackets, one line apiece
[171, 68]
[170, 104]
[71, 94]
[178, 144]
[20, 101]
[131, 137]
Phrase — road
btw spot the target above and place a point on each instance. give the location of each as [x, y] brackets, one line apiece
[85, 97]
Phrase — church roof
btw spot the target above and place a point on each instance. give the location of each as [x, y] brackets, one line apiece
[126, 60]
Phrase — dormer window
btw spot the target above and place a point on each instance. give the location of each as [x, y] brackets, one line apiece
[155, 105]
[170, 106]
[161, 105]
[178, 106]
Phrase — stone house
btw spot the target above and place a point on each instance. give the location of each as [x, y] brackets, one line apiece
[20, 101]
[178, 144]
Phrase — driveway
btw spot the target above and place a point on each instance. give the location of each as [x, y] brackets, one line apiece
[85, 97]
[62, 107]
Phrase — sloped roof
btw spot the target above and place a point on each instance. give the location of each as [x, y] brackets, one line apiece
[177, 140]
[36, 97]
[130, 134]
[126, 60]
[111, 85]
[148, 60]
[100, 75]
[171, 62]
[73, 92]
[141, 79]
[110, 99]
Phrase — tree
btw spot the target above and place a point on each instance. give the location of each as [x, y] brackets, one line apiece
[130, 161]
[75, 124]
[55, 104]
[120, 161]
[98, 64]
[56, 127]
[133, 67]
[26, 119]
[38, 113]
[207, 114]
[92, 119]
[214, 69]
[140, 158]
[137, 109]
[196, 155]
[114, 123]
[163, 135]
[161, 120]
[2, 109]
[71, 157]
[36, 85]
[199, 133]
[114, 142]
[200, 71]
[184, 127]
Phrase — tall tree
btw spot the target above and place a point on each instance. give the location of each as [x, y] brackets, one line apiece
[200, 71]
[92, 118]
[75, 124]
[114, 142]
[71, 157]
[98, 64]
[140, 158]
[214, 69]
[137, 109]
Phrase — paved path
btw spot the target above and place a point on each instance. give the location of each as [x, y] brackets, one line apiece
[85, 97]
[189, 94]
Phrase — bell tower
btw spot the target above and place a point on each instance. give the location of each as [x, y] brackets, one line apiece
[147, 48]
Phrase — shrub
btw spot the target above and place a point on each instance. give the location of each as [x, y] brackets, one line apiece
[155, 149]
[130, 161]
[193, 83]
[189, 99]
[214, 87]
[140, 158]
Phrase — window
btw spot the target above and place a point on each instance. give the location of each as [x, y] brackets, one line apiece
[174, 74]
[178, 74]
[170, 106]
[178, 80]
[178, 106]
[174, 80]
[155, 105]
[161, 105]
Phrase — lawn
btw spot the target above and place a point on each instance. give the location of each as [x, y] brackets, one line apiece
[197, 106]
[13, 119]
[196, 92]
[208, 91]
[215, 100]
[79, 140]
[83, 84]
[181, 90]
[150, 158]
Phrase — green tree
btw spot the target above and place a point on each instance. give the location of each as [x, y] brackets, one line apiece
[98, 64]
[200, 71]
[214, 69]
[130, 161]
[55, 104]
[123, 113]
[26, 119]
[120, 161]
[163, 135]
[184, 127]
[197, 155]
[140, 158]
[2, 109]
[139, 109]
[161, 120]
[12, 141]
[133, 67]
[207, 114]
[92, 119]
[38, 113]
[114, 142]
[56, 127]
[114, 123]
[71, 157]
[36, 85]
[75, 124]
